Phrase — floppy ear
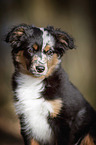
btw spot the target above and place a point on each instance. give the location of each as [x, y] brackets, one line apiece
[17, 36]
[63, 40]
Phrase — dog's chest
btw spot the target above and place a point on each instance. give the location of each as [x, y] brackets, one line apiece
[34, 108]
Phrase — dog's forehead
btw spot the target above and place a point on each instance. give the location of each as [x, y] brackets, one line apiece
[48, 39]
[43, 37]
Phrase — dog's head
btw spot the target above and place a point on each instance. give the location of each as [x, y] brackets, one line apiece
[38, 51]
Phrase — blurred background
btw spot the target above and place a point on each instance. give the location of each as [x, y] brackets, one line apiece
[78, 18]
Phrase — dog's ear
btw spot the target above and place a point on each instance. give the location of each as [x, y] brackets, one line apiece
[63, 40]
[17, 36]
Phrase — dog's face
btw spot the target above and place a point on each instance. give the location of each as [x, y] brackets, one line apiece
[38, 51]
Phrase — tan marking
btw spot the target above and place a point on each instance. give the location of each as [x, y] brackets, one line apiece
[56, 105]
[87, 140]
[52, 65]
[34, 142]
[47, 48]
[62, 40]
[22, 61]
[35, 46]
[19, 31]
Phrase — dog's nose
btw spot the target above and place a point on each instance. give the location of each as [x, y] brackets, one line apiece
[40, 69]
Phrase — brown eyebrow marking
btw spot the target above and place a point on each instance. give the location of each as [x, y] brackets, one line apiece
[35, 46]
[47, 48]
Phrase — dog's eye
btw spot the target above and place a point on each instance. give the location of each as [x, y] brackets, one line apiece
[49, 52]
[30, 50]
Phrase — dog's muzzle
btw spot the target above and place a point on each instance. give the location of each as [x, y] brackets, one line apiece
[38, 66]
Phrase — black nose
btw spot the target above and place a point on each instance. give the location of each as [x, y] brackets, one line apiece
[40, 69]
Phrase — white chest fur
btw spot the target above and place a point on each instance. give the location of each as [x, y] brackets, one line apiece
[34, 107]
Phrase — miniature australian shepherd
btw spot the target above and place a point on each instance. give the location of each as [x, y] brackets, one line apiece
[51, 109]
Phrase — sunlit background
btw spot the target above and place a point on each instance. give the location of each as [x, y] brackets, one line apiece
[78, 18]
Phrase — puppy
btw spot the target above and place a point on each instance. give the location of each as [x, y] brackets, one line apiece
[51, 109]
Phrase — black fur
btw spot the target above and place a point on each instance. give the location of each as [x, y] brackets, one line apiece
[76, 118]
[60, 37]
